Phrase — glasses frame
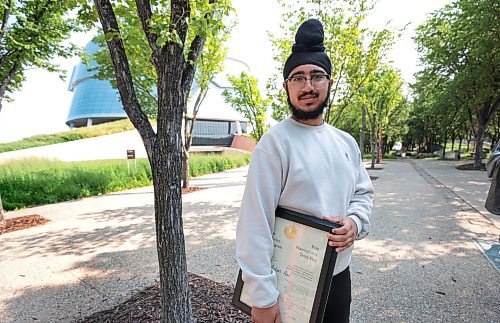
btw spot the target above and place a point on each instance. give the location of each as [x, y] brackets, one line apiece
[307, 78]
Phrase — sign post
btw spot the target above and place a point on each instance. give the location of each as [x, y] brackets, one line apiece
[131, 155]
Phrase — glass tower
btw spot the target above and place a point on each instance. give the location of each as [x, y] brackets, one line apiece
[94, 101]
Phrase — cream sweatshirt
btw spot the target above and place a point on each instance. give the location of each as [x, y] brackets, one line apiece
[316, 170]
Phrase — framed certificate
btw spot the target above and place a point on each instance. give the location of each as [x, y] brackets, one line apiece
[304, 265]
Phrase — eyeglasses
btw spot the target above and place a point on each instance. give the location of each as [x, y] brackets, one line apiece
[318, 81]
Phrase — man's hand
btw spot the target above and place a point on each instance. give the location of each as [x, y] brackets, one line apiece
[343, 237]
[266, 315]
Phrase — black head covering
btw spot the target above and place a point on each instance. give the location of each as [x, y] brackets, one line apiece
[308, 48]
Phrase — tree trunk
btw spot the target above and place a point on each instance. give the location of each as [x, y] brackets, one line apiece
[478, 154]
[373, 141]
[444, 147]
[185, 168]
[3, 223]
[185, 150]
[175, 75]
[379, 148]
[362, 132]
[460, 144]
[166, 164]
[188, 136]
[4, 83]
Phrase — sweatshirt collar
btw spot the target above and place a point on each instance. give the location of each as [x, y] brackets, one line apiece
[291, 120]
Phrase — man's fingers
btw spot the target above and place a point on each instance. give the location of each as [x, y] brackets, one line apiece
[336, 219]
[342, 230]
[340, 238]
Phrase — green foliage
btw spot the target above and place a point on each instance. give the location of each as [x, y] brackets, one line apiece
[354, 51]
[460, 58]
[390, 156]
[36, 32]
[245, 98]
[201, 164]
[71, 135]
[30, 182]
[139, 52]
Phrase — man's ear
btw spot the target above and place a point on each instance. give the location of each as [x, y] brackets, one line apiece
[284, 85]
[331, 82]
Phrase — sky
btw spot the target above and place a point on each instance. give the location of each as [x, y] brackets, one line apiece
[42, 105]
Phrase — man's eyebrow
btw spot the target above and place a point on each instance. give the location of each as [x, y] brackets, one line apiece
[297, 73]
[315, 71]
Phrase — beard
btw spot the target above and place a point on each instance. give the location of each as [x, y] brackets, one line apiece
[308, 115]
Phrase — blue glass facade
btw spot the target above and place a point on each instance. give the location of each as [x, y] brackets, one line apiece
[93, 99]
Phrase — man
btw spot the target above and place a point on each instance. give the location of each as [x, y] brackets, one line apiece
[305, 165]
[493, 171]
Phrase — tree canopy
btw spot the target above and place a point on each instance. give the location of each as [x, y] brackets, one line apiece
[460, 60]
[32, 34]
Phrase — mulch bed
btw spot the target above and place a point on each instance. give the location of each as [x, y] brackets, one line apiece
[192, 189]
[211, 302]
[470, 167]
[23, 222]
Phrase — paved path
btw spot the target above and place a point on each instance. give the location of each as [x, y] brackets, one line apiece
[418, 265]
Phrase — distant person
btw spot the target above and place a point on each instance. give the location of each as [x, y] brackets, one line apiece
[493, 170]
[306, 165]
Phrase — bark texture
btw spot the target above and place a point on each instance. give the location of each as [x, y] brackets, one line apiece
[175, 76]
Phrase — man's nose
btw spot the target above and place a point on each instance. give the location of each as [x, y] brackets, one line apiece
[308, 85]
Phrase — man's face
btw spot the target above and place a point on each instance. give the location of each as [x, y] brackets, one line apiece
[307, 90]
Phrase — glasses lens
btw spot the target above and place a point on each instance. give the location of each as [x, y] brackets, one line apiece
[317, 81]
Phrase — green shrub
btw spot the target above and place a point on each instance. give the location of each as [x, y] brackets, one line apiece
[201, 164]
[29, 182]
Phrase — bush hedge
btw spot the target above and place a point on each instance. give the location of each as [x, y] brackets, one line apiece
[30, 182]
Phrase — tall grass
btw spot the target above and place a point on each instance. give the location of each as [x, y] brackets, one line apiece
[201, 164]
[71, 135]
[30, 182]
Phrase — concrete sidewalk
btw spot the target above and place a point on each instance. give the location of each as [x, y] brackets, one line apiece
[419, 264]
[97, 252]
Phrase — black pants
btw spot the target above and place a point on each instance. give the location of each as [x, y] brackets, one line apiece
[338, 306]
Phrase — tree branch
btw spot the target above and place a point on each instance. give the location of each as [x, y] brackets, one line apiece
[145, 14]
[194, 52]
[5, 18]
[6, 81]
[123, 75]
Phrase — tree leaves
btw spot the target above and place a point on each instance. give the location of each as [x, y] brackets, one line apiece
[37, 33]
[459, 52]
[245, 98]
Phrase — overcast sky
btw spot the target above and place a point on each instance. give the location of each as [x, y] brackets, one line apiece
[43, 103]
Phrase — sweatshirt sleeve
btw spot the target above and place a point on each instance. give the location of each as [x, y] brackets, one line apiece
[254, 242]
[361, 203]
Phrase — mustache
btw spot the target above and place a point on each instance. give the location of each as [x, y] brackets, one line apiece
[310, 93]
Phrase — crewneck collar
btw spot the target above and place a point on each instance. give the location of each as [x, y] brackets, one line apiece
[295, 122]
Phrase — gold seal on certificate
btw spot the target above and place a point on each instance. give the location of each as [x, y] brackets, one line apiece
[303, 263]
